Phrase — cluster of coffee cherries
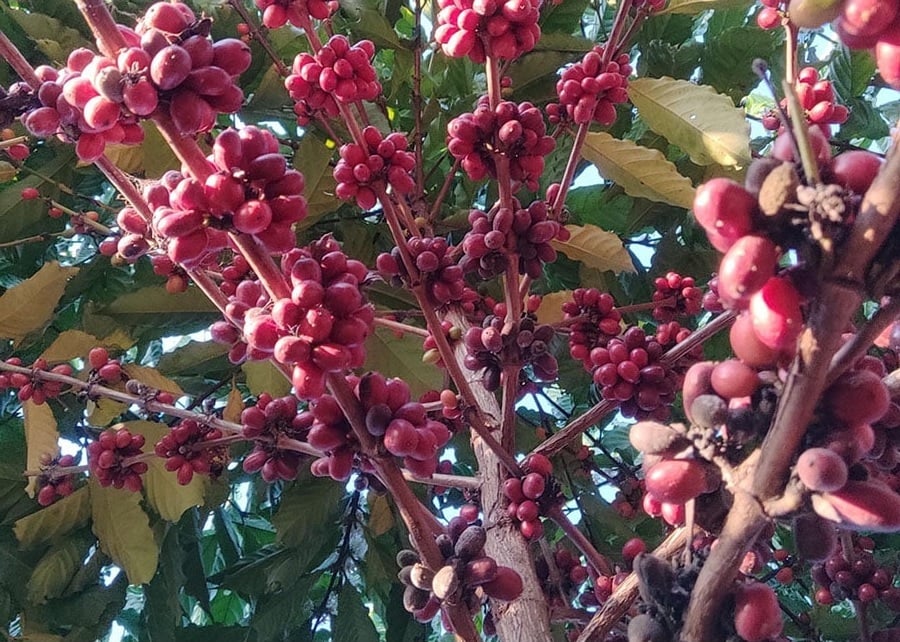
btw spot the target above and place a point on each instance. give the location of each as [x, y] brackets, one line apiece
[569, 576]
[688, 298]
[392, 417]
[860, 24]
[514, 131]
[590, 89]
[52, 483]
[858, 578]
[817, 98]
[630, 370]
[338, 73]
[381, 162]
[32, 387]
[265, 423]
[277, 13]
[511, 233]
[111, 458]
[479, 28]
[842, 466]
[185, 454]
[323, 325]
[673, 473]
[169, 65]
[247, 294]
[103, 368]
[433, 257]
[489, 349]
[467, 576]
[528, 494]
[175, 275]
[592, 320]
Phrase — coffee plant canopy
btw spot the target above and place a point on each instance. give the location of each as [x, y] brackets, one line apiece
[412, 321]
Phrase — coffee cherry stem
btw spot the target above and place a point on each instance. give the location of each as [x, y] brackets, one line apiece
[109, 39]
[18, 140]
[401, 327]
[593, 556]
[624, 595]
[510, 384]
[259, 36]
[615, 32]
[55, 472]
[860, 342]
[445, 189]
[761, 69]
[571, 166]
[791, 65]
[99, 227]
[440, 479]
[800, 132]
[11, 54]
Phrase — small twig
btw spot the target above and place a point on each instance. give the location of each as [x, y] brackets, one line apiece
[857, 346]
[593, 556]
[401, 327]
[260, 37]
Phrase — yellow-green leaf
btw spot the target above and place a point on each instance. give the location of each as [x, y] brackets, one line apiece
[381, 519]
[123, 529]
[75, 343]
[263, 376]
[167, 497]
[402, 357]
[151, 377]
[234, 406]
[41, 438]
[702, 122]
[638, 170]
[29, 305]
[550, 310]
[55, 521]
[696, 6]
[596, 248]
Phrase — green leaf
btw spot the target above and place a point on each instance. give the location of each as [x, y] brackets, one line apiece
[167, 497]
[263, 376]
[369, 22]
[53, 38]
[29, 306]
[352, 623]
[728, 58]
[41, 437]
[20, 218]
[308, 508]
[851, 71]
[52, 574]
[313, 159]
[704, 124]
[696, 6]
[123, 529]
[195, 358]
[155, 300]
[152, 158]
[55, 521]
[402, 358]
[865, 121]
[638, 170]
[595, 248]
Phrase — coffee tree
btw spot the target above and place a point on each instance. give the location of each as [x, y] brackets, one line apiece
[377, 320]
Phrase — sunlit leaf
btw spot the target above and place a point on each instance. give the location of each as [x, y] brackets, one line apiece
[55, 521]
[41, 437]
[123, 529]
[167, 497]
[703, 123]
[151, 377]
[72, 344]
[595, 248]
[263, 376]
[550, 310]
[29, 306]
[234, 405]
[638, 170]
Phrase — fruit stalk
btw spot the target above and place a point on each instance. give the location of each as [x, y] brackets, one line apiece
[626, 593]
